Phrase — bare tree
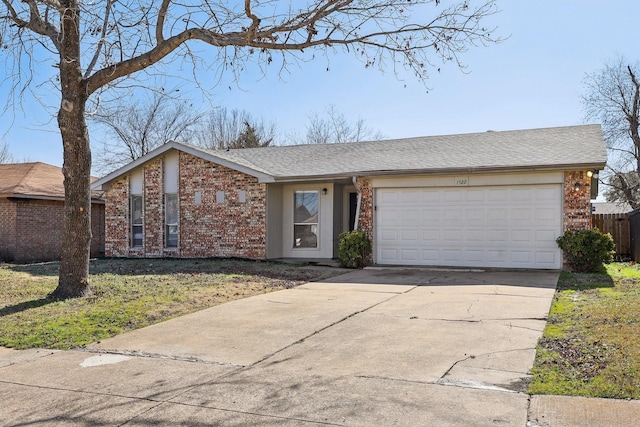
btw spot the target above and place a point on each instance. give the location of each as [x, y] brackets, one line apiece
[612, 97]
[139, 127]
[98, 45]
[5, 154]
[335, 127]
[225, 129]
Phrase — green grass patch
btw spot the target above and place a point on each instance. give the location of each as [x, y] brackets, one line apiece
[128, 294]
[591, 344]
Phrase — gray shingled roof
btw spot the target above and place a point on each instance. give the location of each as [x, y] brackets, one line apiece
[573, 147]
[536, 148]
[611, 208]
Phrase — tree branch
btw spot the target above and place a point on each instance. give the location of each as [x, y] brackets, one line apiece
[162, 14]
[105, 23]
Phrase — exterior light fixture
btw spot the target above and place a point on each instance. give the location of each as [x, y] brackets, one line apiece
[589, 174]
[576, 186]
[324, 191]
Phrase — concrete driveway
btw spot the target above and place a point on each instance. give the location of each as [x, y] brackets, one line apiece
[372, 347]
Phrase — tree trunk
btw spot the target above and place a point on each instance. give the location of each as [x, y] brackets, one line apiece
[73, 280]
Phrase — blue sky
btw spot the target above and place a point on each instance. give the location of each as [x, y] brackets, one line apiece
[533, 79]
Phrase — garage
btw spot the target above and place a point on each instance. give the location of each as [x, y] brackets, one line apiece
[500, 226]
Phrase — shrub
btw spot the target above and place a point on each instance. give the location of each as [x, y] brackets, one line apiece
[354, 249]
[586, 250]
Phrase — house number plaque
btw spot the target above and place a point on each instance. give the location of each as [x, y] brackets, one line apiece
[462, 181]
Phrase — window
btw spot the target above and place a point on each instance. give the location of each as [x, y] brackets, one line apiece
[171, 213]
[305, 219]
[171, 220]
[136, 221]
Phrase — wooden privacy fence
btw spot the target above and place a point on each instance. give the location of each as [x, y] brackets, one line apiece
[618, 226]
[634, 227]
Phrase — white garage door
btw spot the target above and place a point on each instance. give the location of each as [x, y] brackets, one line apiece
[510, 227]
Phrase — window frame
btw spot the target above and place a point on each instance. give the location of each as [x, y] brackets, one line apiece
[136, 226]
[168, 241]
[297, 241]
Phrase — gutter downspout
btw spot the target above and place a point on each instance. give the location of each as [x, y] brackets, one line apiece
[359, 201]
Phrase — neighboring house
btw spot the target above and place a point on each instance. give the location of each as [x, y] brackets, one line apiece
[493, 199]
[31, 213]
[609, 208]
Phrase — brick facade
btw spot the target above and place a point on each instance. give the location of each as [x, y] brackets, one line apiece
[222, 212]
[117, 219]
[220, 225]
[365, 220]
[31, 229]
[577, 202]
[154, 208]
[7, 229]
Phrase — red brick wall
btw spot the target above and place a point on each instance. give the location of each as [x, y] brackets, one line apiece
[228, 229]
[210, 229]
[97, 230]
[365, 221]
[154, 208]
[37, 228]
[7, 229]
[117, 219]
[577, 203]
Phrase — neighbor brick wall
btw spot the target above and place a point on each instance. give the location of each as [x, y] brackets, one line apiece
[577, 204]
[39, 229]
[34, 229]
[210, 229]
[7, 229]
[97, 230]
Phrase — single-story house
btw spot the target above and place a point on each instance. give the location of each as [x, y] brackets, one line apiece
[491, 199]
[32, 211]
[610, 208]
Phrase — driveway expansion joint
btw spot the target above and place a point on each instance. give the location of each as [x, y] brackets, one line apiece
[324, 328]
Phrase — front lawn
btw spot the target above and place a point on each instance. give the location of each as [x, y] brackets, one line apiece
[591, 344]
[129, 294]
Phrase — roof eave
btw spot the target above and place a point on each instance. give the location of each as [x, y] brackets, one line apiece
[43, 197]
[173, 145]
[477, 169]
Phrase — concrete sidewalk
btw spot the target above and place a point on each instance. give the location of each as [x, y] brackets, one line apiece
[373, 347]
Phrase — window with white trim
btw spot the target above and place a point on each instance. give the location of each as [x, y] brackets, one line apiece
[305, 219]
[171, 220]
[137, 221]
[136, 209]
[171, 200]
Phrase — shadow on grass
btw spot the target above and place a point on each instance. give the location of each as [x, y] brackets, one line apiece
[585, 281]
[26, 305]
